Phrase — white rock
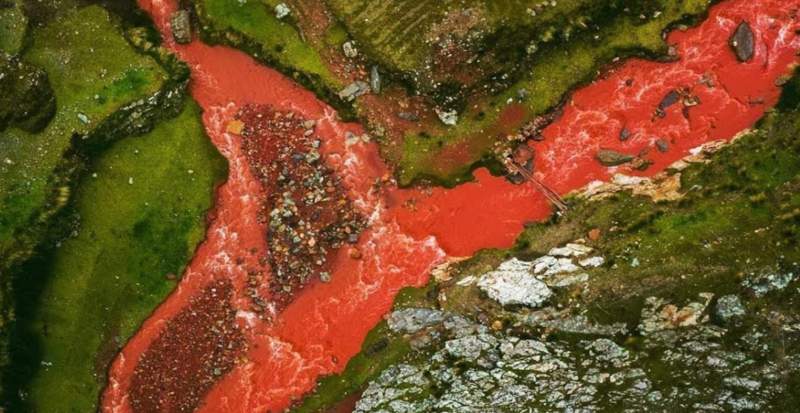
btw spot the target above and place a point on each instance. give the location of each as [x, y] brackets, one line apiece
[448, 117]
[512, 283]
[549, 265]
[592, 262]
[282, 10]
[570, 250]
[349, 49]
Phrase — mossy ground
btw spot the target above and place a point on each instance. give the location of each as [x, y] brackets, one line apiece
[13, 27]
[94, 73]
[138, 215]
[740, 216]
[101, 263]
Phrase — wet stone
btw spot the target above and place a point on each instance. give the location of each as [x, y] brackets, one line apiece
[608, 157]
[662, 145]
[669, 99]
[624, 134]
[181, 26]
[743, 42]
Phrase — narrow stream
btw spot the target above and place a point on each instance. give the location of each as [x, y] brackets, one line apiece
[411, 231]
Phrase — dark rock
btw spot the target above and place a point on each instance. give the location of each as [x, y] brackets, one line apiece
[670, 99]
[624, 134]
[609, 157]
[662, 145]
[743, 42]
[26, 97]
[181, 26]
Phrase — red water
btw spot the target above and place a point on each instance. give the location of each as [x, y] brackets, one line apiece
[411, 231]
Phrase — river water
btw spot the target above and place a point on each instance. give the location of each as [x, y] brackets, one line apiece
[411, 231]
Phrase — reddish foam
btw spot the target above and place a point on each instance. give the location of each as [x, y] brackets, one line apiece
[411, 231]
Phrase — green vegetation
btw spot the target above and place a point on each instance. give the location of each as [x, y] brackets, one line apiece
[84, 53]
[13, 27]
[98, 80]
[137, 217]
[740, 216]
[26, 99]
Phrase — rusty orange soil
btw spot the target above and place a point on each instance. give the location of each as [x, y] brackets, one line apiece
[410, 231]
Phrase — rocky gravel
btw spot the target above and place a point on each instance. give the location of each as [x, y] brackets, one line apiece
[469, 368]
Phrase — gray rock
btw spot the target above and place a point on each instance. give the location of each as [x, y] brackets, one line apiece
[409, 116]
[768, 281]
[349, 49]
[743, 42]
[412, 320]
[375, 80]
[181, 27]
[570, 250]
[470, 347]
[353, 90]
[729, 307]
[448, 117]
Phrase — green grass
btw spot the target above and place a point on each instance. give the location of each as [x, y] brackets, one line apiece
[80, 301]
[94, 73]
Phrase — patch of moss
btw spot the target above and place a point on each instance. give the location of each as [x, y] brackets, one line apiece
[26, 98]
[137, 217]
[13, 26]
[103, 90]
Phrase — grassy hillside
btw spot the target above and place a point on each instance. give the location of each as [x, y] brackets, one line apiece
[98, 80]
[137, 216]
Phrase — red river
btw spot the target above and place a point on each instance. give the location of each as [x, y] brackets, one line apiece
[324, 326]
